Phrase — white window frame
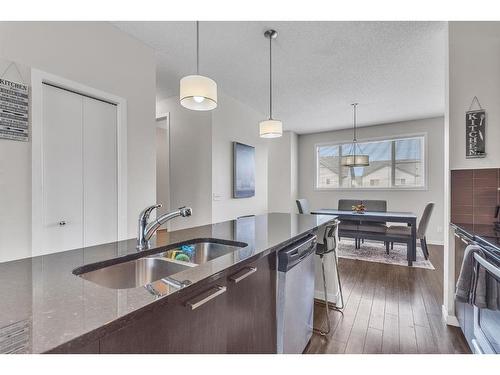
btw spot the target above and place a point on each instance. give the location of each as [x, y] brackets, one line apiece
[374, 139]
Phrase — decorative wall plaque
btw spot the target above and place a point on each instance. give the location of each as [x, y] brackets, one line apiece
[14, 109]
[475, 132]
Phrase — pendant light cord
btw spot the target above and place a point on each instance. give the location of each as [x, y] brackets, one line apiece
[270, 79]
[354, 139]
[197, 47]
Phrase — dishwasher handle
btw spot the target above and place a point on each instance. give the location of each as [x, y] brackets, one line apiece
[292, 255]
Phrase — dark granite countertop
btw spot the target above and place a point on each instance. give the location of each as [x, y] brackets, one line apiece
[483, 233]
[59, 306]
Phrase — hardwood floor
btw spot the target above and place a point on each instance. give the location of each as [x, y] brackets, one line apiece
[389, 309]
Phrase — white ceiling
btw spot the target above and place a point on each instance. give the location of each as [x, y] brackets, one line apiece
[395, 70]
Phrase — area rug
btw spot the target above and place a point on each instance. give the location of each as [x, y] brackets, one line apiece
[372, 251]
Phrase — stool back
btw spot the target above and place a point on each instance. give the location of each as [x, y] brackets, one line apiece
[331, 237]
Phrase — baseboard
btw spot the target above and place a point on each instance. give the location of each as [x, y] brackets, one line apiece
[429, 242]
[440, 243]
[451, 320]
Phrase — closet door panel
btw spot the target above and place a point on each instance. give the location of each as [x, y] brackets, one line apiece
[99, 172]
[62, 170]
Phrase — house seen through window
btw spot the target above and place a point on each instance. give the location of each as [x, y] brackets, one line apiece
[394, 163]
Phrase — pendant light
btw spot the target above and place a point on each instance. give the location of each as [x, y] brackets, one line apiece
[197, 92]
[354, 159]
[270, 128]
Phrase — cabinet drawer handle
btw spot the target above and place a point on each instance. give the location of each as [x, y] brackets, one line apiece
[237, 277]
[462, 239]
[487, 265]
[206, 296]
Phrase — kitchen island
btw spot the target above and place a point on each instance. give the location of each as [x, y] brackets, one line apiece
[50, 309]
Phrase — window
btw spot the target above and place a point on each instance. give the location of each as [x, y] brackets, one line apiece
[394, 164]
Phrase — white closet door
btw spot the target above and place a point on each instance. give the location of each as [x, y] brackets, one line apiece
[99, 172]
[62, 170]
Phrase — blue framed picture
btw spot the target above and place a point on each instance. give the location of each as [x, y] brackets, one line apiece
[243, 170]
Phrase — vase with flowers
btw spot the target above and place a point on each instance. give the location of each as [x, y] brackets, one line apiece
[359, 208]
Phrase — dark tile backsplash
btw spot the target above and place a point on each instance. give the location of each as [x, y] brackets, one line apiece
[474, 195]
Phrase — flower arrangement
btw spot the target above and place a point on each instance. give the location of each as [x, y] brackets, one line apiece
[359, 208]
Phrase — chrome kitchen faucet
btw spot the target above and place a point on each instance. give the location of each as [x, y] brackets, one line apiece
[146, 230]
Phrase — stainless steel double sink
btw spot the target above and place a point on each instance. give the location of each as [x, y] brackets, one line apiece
[145, 270]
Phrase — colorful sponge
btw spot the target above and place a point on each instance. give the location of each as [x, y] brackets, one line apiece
[182, 257]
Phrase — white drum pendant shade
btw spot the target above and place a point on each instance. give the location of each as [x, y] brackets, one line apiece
[270, 129]
[198, 93]
[355, 161]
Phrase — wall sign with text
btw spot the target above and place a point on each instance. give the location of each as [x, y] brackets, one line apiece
[475, 134]
[14, 106]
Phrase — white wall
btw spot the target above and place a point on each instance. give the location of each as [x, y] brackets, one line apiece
[162, 167]
[98, 55]
[201, 160]
[283, 173]
[235, 121]
[294, 152]
[472, 70]
[397, 200]
[15, 185]
[474, 61]
[190, 162]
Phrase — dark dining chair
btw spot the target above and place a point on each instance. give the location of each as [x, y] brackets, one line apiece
[303, 206]
[421, 229]
[374, 226]
[349, 227]
[360, 226]
[346, 205]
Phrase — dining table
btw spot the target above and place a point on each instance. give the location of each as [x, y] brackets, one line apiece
[408, 218]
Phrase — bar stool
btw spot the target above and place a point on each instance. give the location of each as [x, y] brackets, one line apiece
[329, 245]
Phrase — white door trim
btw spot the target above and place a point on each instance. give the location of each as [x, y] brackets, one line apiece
[166, 116]
[38, 77]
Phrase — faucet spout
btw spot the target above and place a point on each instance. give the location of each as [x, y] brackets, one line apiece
[147, 230]
[152, 227]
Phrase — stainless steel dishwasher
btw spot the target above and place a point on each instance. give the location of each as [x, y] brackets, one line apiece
[295, 302]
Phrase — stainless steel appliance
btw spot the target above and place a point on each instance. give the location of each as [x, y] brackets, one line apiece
[481, 326]
[487, 320]
[295, 295]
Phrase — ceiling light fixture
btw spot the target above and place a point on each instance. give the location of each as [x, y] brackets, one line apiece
[198, 93]
[353, 159]
[270, 128]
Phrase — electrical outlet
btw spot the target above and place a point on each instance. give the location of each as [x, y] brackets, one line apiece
[216, 197]
[439, 229]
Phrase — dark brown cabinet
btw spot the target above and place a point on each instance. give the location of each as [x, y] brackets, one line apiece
[233, 314]
[191, 324]
[75, 347]
[251, 304]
